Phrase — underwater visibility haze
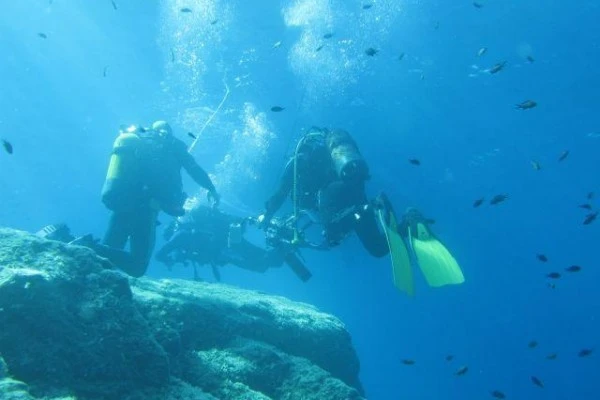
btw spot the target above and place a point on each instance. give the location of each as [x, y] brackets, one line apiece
[483, 115]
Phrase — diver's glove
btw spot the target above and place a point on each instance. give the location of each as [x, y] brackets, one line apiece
[213, 197]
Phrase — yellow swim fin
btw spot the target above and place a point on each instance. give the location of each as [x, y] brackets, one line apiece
[401, 268]
[437, 264]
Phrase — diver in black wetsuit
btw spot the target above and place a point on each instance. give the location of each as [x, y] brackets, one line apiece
[144, 178]
[326, 177]
[208, 236]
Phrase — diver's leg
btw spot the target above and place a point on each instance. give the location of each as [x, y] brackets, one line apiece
[367, 230]
[119, 229]
[143, 238]
[254, 258]
[181, 242]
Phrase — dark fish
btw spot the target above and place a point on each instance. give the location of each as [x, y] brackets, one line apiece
[532, 345]
[214, 21]
[497, 67]
[551, 285]
[401, 56]
[553, 275]
[585, 206]
[371, 51]
[585, 352]
[535, 165]
[408, 362]
[190, 134]
[43, 35]
[328, 35]
[498, 394]
[114, 4]
[437, 25]
[319, 48]
[449, 357]
[590, 195]
[7, 146]
[499, 198]
[526, 105]
[186, 10]
[462, 370]
[172, 56]
[414, 161]
[478, 202]
[551, 356]
[477, 5]
[105, 71]
[542, 257]
[590, 218]
[277, 109]
[563, 155]
[367, 6]
[573, 268]
[530, 59]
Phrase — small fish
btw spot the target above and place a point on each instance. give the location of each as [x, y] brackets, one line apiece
[532, 345]
[563, 155]
[328, 35]
[551, 285]
[498, 394]
[553, 275]
[585, 206]
[105, 71]
[277, 108]
[7, 146]
[590, 218]
[481, 51]
[497, 67]
[190, 134]
[462, 370]
[449, 357]
[42, 35]
[186, 10]
[536, 165]
[573, 268]
[551, 356]
[172, 56]
[477, 5]
[319, 48]
[367, 6]
[478, 202]
[542, 257]
[277, 44]
[585, 352]
[499, 198]
[371, 51]
[590, 195]
[401, 57]
[530, 59]
[113, 4]
[408, 362]
[414, 161]
[437, 25]
[526, 105]
[214, 21]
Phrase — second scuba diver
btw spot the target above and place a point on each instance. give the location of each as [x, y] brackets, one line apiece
[326, 178]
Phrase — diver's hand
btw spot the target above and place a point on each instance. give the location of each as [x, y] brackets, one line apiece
[214, 198]
[262, 221]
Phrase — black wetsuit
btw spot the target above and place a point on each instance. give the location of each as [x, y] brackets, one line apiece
[161, 160]
[342, 205]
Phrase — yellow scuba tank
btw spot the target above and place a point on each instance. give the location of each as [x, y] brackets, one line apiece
[123, 187]
[347, 161]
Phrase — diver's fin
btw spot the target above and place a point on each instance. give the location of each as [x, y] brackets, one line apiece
[401, 268]
[437, 264]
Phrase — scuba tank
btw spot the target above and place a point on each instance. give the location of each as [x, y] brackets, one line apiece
[347, 161]
[123, 188]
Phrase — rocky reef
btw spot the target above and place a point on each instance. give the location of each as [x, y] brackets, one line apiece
[72, 327]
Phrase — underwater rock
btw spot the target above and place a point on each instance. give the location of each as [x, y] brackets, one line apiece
[73, 326]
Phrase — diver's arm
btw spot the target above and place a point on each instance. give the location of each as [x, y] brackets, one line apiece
[194, 170]
[286, 184]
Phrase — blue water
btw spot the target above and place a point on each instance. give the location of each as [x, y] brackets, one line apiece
[437, 104]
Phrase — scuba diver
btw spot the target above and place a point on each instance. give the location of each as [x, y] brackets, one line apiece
[143, 178]
[325, 179]
[208, 236]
